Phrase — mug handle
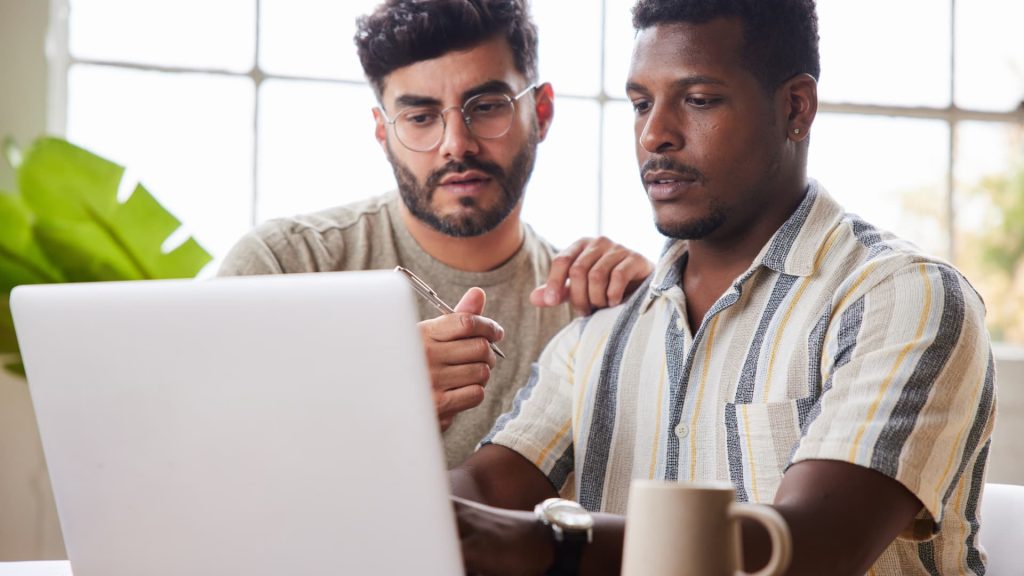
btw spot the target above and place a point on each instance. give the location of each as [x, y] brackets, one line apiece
[778, 531]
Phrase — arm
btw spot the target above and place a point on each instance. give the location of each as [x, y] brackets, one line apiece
[841, 517]
[592, 273]
[501, 535]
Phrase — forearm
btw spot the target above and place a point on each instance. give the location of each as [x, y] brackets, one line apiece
[500, 477]
[603, 556]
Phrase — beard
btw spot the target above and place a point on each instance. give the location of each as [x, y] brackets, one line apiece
[694, 229]
[474, 220]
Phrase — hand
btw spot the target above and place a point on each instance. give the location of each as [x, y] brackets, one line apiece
[496, 542]
[459, 356]
[593, 273]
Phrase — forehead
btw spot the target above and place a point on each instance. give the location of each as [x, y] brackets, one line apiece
[446, 77]
[685, 48]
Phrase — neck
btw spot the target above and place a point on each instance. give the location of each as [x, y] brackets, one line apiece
[472, 254]
[728, 255]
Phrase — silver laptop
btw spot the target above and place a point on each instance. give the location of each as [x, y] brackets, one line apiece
[252, 426]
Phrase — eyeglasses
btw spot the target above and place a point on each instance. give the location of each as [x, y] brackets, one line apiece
[487, 116]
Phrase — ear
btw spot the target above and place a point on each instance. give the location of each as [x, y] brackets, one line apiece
[380, 131]
[544, 106]
[801, 106]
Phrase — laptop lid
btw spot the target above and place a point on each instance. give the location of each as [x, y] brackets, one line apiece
[255, 426]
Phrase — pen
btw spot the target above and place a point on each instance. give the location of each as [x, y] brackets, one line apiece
[428, 293]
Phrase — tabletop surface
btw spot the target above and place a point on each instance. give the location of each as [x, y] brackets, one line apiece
[49, 568]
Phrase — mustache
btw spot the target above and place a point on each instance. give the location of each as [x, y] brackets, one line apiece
[464, 165]
[664, 163]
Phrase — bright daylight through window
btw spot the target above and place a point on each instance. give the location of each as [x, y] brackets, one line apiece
[236, 111]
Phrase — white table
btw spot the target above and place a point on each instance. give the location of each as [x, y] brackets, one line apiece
[55, 568]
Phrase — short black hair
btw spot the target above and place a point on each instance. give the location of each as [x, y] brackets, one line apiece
[780, 37]
[402, 32]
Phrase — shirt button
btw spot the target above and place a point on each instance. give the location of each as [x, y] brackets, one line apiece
[679, 324]
[682, 430]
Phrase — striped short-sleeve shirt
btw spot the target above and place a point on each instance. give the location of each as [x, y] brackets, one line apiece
[840, 342]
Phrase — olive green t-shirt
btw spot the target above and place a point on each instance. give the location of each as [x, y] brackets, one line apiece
[369, 235]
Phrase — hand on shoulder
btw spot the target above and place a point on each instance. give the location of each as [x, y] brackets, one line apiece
[592, 273]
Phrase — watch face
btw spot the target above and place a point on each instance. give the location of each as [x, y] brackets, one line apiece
[570, 516]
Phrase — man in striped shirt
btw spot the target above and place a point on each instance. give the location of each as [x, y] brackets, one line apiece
[818, 364]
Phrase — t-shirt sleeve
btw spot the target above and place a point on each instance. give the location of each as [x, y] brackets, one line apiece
[539, 425]
[908, 383]
[250, 256]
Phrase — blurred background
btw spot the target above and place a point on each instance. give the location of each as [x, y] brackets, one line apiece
[235, 111]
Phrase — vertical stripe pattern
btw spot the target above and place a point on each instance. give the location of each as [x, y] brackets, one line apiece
[840, 342]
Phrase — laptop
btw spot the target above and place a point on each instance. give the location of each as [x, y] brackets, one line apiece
[254, 426]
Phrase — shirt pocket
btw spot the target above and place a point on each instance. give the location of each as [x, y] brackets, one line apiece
[760, 438]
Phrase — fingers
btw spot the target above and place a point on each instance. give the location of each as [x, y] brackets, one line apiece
[459, 356]
[627, 276]
[472, 302]
[599, 272]
[558, 275]
[451, 402]
[460, 326]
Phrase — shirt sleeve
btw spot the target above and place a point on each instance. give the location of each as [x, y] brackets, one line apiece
[907, 382]
[250, 256]
[540, 423]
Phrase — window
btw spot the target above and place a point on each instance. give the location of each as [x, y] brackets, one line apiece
[236, 111]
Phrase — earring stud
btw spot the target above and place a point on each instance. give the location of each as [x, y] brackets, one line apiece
[796, 130]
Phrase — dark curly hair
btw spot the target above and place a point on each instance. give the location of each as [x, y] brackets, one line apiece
[780, 37]
[402, 32]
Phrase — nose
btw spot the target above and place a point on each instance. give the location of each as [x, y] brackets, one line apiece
[458, 141]
[662, 131]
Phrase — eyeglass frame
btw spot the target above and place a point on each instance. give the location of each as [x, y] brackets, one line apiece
[462, 114]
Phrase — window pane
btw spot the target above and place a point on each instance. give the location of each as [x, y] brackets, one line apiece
[561, 200]
[990, 221]
[989, 54]
[884, 52]
[317, 148]
[186, 33]
[186, 137]
[626, 215]
[618, 43]
[570, 45]
[892, 172]
[311, 37]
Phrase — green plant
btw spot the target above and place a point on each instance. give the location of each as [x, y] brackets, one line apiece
[64, 223]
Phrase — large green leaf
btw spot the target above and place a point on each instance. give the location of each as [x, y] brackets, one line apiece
[86, 232]
[67, 225]
[8, 341]
[21, 259]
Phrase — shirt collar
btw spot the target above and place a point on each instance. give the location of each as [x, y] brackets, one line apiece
[791, 250]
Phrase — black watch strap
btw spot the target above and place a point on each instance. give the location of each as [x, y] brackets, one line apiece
[568, 553]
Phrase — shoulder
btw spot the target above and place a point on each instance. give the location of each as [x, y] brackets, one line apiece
[313, 242]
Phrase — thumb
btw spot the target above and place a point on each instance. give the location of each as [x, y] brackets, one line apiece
[472, 302]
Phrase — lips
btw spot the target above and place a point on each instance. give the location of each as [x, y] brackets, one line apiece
[463, 178]
[465, 183]
[666, 185]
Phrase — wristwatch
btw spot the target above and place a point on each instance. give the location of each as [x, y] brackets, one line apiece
[572, 528]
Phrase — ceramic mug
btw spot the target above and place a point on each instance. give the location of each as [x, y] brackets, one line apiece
[683, 529]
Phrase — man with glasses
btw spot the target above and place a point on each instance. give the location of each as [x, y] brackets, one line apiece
[461, 114]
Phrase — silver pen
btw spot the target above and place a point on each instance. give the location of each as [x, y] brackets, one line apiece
[428, 293]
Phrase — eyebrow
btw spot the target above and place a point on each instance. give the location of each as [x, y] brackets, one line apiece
[680, 83]
[406, 100]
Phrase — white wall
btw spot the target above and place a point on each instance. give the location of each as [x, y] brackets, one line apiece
[28, 518]
[22, 73]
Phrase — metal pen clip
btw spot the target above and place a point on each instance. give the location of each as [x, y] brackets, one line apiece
[428, 293]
